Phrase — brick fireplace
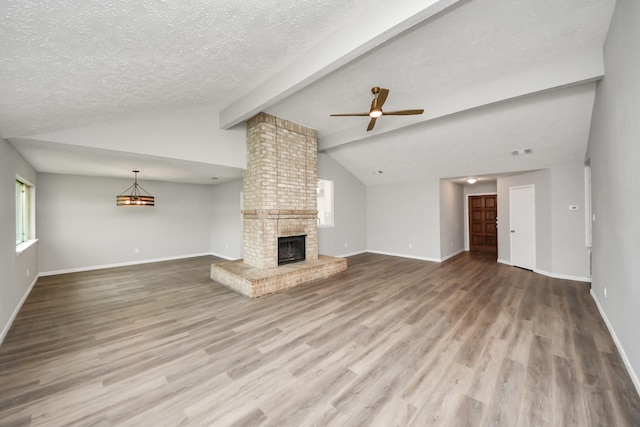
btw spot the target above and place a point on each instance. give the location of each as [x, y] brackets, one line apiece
[280, 201]
[279, 188]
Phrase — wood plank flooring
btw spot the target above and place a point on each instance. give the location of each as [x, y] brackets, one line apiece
[389, 342]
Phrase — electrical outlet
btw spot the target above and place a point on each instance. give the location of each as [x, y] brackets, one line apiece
[410, 245]
[136, 250]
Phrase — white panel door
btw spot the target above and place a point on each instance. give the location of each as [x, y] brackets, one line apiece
[522, 226]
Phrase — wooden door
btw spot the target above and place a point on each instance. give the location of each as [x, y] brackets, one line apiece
[483, 232]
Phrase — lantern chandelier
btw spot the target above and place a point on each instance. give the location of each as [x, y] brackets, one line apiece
[133, 196]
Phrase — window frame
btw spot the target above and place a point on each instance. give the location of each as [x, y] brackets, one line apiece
[25, 214]
[326, 197]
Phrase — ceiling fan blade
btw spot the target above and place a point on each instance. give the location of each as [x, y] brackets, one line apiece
[379, 97]
[372, 123]
[382, 96]
[402, 112]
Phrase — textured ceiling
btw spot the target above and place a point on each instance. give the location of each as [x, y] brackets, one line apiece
[121, 82]
[67, 63]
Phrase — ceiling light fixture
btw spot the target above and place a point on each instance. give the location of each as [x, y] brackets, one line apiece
[132, 196]
[375, 113]
[472, 180]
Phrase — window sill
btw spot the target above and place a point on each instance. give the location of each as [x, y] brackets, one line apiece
[24, 246]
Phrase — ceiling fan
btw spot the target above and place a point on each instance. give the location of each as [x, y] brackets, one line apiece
[379, 96]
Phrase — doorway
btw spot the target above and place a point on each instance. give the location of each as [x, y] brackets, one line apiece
[483, 231]
[522, 230]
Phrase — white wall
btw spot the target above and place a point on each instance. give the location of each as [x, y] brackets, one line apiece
[15, 283]
[226, 220]
[404, 219]
[451, 219]
[614, 148]
[480, 187]
[80, 226]
[349, 236]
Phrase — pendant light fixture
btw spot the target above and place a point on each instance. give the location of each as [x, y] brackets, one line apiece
[133, 196]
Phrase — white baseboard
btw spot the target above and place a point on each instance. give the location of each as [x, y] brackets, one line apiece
[452, 255]
[120, 264]
[625, 359]
[222, 256]
[563, 276]
[5, 330]
[350, 254]
[553, 275]
[404, 256]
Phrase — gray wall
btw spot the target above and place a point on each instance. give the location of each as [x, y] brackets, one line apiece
[226, 220]
[481, 187]
[542, 182]
[560, 233]
[614, 149]
[14, 280]
[80, 226]
[403, 215]
[451, 219]
[349, 236]
[568, 231]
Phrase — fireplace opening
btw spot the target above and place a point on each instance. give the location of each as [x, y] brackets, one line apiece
[291, 249]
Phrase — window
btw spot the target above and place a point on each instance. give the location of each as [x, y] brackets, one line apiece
[325, 203]
[588, 223]
[23, 211]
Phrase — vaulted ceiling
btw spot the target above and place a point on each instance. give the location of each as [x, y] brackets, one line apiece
[101, 88]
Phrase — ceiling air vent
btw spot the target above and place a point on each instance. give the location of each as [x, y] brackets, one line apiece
[522, 152]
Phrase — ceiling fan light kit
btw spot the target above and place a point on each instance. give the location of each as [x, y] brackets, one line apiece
[379, 97]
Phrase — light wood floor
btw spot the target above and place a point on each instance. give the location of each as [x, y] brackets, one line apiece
[389, 342]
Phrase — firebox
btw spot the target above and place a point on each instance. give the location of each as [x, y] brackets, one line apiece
[291, 249]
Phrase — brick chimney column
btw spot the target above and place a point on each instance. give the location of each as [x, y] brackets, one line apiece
[279, 186]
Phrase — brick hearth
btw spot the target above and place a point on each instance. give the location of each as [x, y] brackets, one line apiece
[280, 200]
[255, 282]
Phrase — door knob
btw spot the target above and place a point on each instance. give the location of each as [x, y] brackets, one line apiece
[513, 231]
